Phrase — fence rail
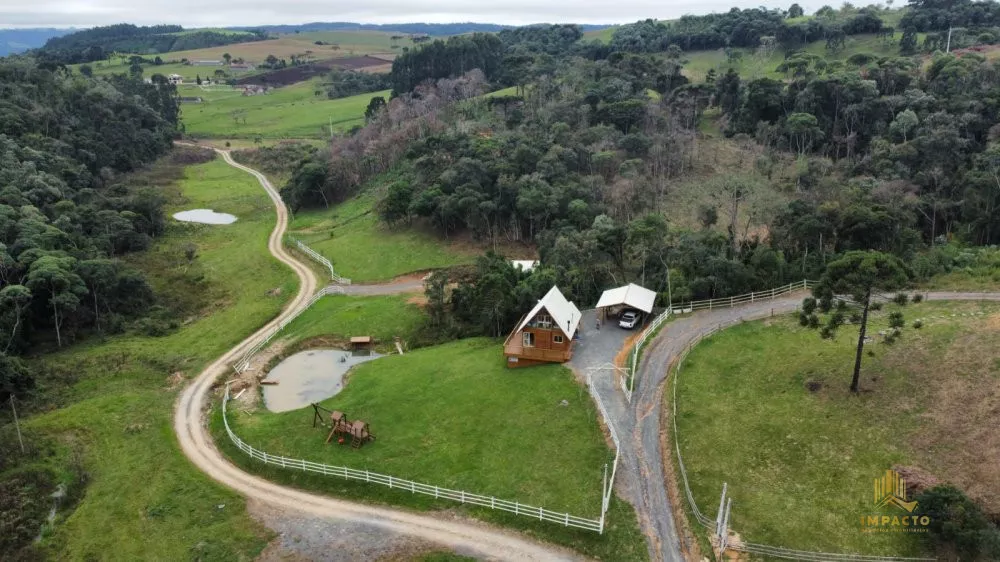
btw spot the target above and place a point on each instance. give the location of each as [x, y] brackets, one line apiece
[461, 496]
[753, 548]
[244, 361]
[321, 260]
[756, 296]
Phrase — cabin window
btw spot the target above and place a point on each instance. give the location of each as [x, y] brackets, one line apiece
[528, 339]
[557, 339]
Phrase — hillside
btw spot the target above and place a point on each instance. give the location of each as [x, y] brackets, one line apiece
[13, 41]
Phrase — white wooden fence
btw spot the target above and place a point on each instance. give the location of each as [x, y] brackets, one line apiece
[321, 260]
[460, 496]
[244, 361]
[714, 524]
[727, 302]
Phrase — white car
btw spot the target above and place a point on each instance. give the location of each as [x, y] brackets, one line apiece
[628, 320]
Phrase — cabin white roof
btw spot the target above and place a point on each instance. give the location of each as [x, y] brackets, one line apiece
[525, 265]
[630, 295]
[564, 313]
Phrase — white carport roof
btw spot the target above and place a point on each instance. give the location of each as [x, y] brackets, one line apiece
[631, 295]
[564, 313]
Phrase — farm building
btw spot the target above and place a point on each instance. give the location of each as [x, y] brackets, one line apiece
[544, 334]
[207, 63]
[628, 296]
[175, 79]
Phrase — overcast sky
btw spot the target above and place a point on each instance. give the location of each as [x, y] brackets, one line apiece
[211, 13]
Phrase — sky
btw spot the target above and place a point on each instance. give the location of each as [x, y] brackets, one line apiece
[223, 13]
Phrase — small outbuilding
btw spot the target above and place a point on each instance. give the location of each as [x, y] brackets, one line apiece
[545, 333]
[631, 296]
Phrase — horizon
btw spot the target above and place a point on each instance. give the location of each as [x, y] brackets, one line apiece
[89, 15]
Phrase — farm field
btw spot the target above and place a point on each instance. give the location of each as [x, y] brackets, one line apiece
[364, 249]
[772, 398]
[290, 112]
[453, 415]
[115, 397]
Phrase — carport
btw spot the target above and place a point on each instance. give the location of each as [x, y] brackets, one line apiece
[631, 296]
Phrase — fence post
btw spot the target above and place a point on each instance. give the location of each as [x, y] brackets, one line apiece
[463, 496]
[390, 482]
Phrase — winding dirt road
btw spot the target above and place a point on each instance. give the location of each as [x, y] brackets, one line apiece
[196, 443]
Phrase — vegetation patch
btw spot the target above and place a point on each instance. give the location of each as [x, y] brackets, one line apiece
[808, 449]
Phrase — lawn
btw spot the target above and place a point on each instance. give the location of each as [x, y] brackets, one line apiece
[144, 499]
[294, 111]
[382, 317]
[454, 416]
[364, 249]
[800, 462]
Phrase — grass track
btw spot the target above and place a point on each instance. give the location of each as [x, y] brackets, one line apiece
[144, 499]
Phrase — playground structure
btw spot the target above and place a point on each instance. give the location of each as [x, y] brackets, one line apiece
[343, 428]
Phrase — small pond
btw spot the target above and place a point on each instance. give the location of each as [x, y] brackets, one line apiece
[309, 376]
[205, 216]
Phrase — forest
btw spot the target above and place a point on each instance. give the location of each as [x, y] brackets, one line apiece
[99, 43]
[585, 161]
[66, 214]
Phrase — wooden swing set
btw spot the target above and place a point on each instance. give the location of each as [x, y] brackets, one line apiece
[342, 428]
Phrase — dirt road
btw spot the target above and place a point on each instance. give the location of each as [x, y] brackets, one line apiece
[195, 441]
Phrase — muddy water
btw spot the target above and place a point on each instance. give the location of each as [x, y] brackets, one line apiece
[205, 216]
[309, 376]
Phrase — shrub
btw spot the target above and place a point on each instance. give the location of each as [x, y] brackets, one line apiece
[808, 305]
[803, 319]
[918, 324]
[918, 298]
[826, 332]
[836, 320]
[875, 306]
[825, 304]
[841, 305]
[896, 320]
[958, 523]
[855, 318]
[901, 299]
[813, 321]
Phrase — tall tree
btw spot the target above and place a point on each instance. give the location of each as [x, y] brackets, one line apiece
[859, 274]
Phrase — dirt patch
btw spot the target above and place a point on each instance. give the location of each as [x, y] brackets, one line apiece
[175, 381]
[301, 73]
[419, 300]
[814, 386]
[957, 440]
[993, 322]
[917, 479]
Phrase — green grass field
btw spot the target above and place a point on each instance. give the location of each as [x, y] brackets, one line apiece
[363, 249]
[144, 499]
[455, 416]
[800, 463]
[382, 317]
[291, 112]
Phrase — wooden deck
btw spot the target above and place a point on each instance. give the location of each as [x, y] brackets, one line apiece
[515, 349]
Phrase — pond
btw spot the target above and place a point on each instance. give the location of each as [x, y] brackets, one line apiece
[205, 216]
[309, 376]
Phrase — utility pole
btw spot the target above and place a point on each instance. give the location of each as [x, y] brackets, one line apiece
[16, 424]
[947, 48]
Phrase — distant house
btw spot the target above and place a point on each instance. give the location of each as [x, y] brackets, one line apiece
[175, 79]
[207, 63]
[524, 265]
[545, 333]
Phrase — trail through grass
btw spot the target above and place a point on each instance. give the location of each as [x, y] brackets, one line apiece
[145, 500]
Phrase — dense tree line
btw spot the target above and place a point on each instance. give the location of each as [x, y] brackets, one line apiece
[344, 83]
[65, 217]
[927, 138]
[939, 15]
[99, 43]
[447, 58]
[738, 28]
